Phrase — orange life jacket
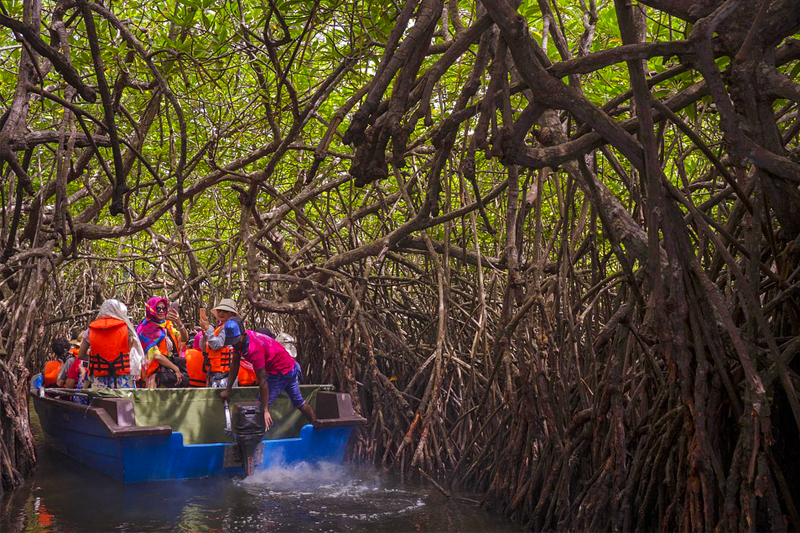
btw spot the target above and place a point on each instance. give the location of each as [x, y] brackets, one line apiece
[74, 351]
[109, 353]
[162, 347]
[50, 374]
[247, 376]
[195, 362]
[219, 360]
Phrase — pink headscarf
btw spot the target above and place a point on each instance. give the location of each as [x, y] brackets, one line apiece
[197, 338]
[151, 326]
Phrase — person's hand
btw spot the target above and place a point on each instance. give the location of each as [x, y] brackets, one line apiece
[203, 320]
[267, 419]
[180, 377]
[224, 394]
[172, 315]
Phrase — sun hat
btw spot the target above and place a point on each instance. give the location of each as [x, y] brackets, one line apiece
[226, 304]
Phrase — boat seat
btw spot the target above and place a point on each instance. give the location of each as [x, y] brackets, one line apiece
[336, 409]
[120, 410]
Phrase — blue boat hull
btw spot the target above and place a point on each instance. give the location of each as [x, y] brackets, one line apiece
[137, 454]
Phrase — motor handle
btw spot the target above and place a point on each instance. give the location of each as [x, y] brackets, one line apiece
[227, 417]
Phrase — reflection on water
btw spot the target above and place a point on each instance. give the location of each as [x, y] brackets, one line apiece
[63, 495]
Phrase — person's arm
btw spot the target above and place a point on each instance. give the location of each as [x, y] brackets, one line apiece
[232, 373]
[83, 352]
[70, 383]
[263, 388]
[213, 342]
[164, 361]
[62, 374]
[176, 320]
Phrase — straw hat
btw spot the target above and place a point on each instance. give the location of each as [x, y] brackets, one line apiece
[226, 304]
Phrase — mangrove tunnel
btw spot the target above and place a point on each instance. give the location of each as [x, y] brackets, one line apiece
[551, 248]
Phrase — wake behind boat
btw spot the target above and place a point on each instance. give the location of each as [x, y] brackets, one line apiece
[138, 435]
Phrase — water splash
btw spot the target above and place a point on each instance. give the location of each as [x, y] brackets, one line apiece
[295, 476]
[337, 492]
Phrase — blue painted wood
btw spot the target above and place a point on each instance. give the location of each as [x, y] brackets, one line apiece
[135, 459]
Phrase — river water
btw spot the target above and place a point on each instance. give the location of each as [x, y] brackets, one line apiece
[63, 495]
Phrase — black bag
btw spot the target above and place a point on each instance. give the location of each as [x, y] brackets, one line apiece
[167, 379]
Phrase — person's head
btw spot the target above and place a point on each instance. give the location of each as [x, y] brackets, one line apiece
[266, 331]
[196, 342]
[237, 342]
[60, 347]
[114, 309]
[225, 310]
[156, 309]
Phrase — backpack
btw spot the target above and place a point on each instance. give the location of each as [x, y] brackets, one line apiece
[167, 379]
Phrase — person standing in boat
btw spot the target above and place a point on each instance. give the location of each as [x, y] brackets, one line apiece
[112, 347]
[161, 333]
[214, 341]
[275, 368]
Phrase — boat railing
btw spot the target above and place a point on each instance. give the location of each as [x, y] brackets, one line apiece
[115, 414]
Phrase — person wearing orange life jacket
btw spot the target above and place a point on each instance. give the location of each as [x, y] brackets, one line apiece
[52, 368]
[246, 376]
[161, 333]
[195, 365]
[112, 348]
[219, 353]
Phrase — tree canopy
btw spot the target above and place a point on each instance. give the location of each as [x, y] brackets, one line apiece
[550, 248]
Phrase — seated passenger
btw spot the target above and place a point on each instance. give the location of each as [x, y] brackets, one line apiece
[196, 367]
[52, 368]
[246, 376]
[229, 325]
[112, 347]
[72, 356]
[276, 370]
[161, 339]
[75, 375]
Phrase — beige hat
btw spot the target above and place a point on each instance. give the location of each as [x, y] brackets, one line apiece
[226, 304]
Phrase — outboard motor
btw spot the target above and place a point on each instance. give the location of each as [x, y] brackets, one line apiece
[248, 429]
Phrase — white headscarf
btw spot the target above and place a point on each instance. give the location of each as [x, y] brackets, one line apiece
[115, 309]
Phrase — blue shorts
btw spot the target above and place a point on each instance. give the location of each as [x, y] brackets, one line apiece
[289, 382]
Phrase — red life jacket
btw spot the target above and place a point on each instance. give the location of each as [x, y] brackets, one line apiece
[109, 353]
[50, 374]
[219, 360]
[247, 376]
[195, 362]
[162, 347]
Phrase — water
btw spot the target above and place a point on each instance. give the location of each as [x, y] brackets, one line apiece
[63, 495]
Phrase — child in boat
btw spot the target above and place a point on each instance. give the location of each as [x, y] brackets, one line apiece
[214, 341]
[112, 347]
[275, 368]
[161, 333]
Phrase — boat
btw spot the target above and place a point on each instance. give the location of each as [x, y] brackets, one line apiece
[140, 435]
